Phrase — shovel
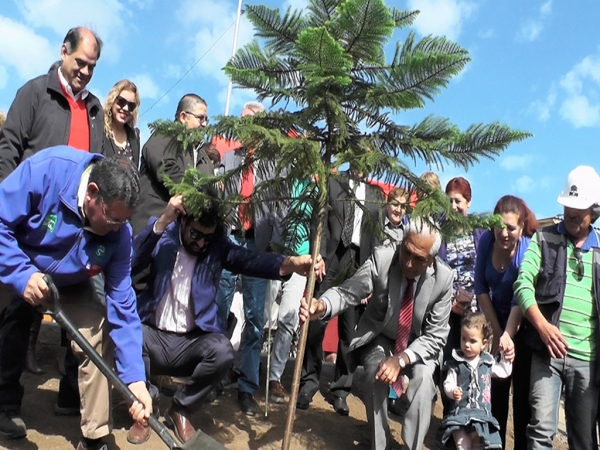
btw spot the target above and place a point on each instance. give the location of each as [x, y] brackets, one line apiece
[200, 440]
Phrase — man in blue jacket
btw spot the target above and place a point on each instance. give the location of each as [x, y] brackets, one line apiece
[182, 333]
[64, 213]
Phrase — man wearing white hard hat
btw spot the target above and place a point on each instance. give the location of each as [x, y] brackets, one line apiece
[557, 292]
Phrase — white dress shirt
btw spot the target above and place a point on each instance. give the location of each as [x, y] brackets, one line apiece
[175, 312]
[360, 193]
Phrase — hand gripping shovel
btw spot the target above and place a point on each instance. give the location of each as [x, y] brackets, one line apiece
[199, 441]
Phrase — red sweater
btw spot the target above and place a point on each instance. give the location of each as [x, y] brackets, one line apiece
[79, 132]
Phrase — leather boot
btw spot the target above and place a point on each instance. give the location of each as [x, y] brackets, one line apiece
[31, 364]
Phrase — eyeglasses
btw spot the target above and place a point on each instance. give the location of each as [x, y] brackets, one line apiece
[121, 102]
[200, 117]
[107, 219]
[196, 235]
[580, 265]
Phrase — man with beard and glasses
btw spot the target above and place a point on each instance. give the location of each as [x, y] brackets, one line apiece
[557, 292]
[178, 308]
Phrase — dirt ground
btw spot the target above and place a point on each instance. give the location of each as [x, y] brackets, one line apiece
[318, 428]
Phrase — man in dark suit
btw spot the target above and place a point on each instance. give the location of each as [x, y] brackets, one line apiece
[400, 337]
[160, 157]
[346, 244]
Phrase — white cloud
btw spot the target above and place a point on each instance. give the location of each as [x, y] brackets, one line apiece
[530, 30]
[524, 184]
[29, 53]
[173, 71]
[106, 18]
[441, 17]
[581, 106]
[588, 68]
[147, 86]
[212, 44]
[546, 8]
[516, 162]
[542, 108]
[578, 110]
[142, 4]
[3, 77]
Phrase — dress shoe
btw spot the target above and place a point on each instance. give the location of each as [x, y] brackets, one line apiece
[397, 407]
[247, 403]
[304, 400]
[277, 392]
[67, 405]
[138, 433]
[340, 406]
[178, 418]
[11, 425]
[213, 394]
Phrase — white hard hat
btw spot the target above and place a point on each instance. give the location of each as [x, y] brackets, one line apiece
[582, 189]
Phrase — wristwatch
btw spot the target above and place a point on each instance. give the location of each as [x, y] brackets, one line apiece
[401, 362]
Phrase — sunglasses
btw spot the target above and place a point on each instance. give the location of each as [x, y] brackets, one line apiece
[196, 235]
[200, 117]
[580, 266]
[121, 102]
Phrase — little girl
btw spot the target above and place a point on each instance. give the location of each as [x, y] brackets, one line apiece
[470, 425]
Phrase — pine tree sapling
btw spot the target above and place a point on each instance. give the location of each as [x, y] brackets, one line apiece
[336, 93]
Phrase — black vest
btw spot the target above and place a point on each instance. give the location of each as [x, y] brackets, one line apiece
[550, 285]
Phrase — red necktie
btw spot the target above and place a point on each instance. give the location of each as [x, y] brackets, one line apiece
[404, 325]
[246, 191]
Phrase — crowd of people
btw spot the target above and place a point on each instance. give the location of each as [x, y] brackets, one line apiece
[150, 283]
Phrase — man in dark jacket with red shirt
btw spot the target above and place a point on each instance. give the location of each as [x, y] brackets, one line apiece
[56, 108]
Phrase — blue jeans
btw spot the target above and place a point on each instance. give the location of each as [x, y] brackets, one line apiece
[286, 324]
[254, 291]
[548, 376]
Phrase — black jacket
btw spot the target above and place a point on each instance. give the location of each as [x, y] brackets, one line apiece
[109, 148]
[159, 157]
[339, 206]
[40, 117]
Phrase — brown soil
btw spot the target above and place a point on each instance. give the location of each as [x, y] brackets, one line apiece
[318, 428]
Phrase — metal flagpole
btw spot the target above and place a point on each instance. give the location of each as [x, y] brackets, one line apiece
[235, 38]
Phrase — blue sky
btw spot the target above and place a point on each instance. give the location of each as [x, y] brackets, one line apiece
[535, 66]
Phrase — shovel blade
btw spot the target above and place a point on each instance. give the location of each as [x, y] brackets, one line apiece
[201, 441]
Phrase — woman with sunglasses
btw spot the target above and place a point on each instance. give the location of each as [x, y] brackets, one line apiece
[120, 117]
[499, 257]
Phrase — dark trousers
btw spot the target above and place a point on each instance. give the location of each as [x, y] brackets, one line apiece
[521, 376]
[500, 396]
[343, 265]
[15, 323]
[204, 357]
[452, 343]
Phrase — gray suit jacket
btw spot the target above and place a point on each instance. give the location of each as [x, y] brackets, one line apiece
[382, 276]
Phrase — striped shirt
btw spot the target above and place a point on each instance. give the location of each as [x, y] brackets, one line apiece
[578, 318]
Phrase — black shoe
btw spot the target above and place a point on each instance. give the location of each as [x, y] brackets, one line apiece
[67, 407]
[304, 400]
[11, 425]
[247, 403]
[91, 444]
[340, 406]
[67, 401]
[397, 407]
[213, 394]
